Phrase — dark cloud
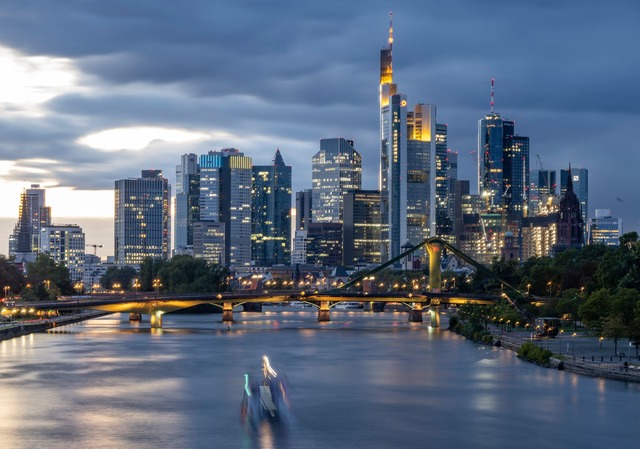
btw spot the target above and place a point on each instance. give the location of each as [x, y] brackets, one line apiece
[286, 73]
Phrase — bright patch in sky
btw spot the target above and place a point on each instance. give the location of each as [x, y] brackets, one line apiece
[30, 80]
[136, 138]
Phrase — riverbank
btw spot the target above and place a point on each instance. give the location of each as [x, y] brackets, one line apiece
[586, 355]
[19, 329]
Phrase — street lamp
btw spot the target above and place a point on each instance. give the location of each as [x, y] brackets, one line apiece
[78, 286]
[528, 288]
[136, 286]
[549, 284]
[6, 291]
[156, 285]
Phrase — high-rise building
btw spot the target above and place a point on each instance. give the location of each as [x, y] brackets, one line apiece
[299, 252]
[225, 196]
[539, 235]
[271, 213]
[361, 227]
[605, 229]
[33, 214]
[187, 206]
[503, 165]
[580, 183]
[142, 218]
[542, 192]
[413, 167]
[304, 207]
[336, 169]
[66, 245]
[208, 241]
[324, 244]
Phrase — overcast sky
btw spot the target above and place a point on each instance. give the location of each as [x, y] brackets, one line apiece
[94, 91]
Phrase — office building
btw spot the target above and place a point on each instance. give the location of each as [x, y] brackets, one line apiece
[142, 218]
[304, 207]
[209, 241]
[539, 235]
[225, 196]
[33, 215]
[605, 229]
[187, 207]
[336, 169]
[271, 213]
[299, 251]
[412, 145]
[66, 245]
[361, 227]
[324, 244]
[542, 192]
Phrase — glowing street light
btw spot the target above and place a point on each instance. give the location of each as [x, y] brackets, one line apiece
[156, 285]
[136, 286]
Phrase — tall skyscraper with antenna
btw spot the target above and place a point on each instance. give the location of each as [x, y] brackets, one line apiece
[408, 164]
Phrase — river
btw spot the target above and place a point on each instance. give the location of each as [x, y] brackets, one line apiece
[363, 380]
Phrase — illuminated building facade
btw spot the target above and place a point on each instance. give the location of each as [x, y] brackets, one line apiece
[413, 168]
[361, 227]
[539, 235]
[33, 215]
[336, 169]
[542, 192]
[605, 229]
[65, 244]
[187, 207]
[304, 207]
[299, 251]
[142, 218]
[209, 241]
[324, 244]
[271, 213]
[225, 196]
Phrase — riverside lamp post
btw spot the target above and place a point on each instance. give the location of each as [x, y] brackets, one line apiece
[6, 292]
[156, 285]
[136, 286]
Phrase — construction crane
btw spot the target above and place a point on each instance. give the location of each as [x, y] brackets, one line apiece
[95, 248]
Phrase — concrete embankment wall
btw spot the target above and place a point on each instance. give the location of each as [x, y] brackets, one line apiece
[29, 328]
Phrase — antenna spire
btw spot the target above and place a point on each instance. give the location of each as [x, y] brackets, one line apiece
[492, 95]
[390, 30]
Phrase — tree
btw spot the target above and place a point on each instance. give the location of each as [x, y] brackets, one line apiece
[47, 279]
[118, 275]
[570, 304]
[634, 333]
[614, 328]
[593, 311]
[10, 276]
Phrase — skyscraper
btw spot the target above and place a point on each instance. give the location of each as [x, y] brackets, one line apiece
[503, 165]
[361, 227]
[336, 169]
[225, 196]
[304, 207]
[187, 202]
[605, 229]
[33, 214]
[271, 213]
[542, 192]
[142, 218]
[570, 224]
[413, 149]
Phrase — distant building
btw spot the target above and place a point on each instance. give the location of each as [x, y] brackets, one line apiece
[304, 208]
[570, 224]
[336, 169]
[542, 192]
[580, 186]
[299, 252]
[209, 241]
[539, 235]
[225, 196]
[187, 204]
[142, 218]
[324, 244]
[33, 214]
[66, 245]
[361, 227]
[605, 229]
[271, 213]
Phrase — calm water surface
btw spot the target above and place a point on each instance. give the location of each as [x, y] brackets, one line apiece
[361, 381]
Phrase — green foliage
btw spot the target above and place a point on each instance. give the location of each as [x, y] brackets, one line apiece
[533, 353]
[47, 279]
[10, 276]
[183, 274]
[119, 275]
[614, 328]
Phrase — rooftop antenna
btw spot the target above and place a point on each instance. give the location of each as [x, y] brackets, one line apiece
[492, 95]
[390, 30]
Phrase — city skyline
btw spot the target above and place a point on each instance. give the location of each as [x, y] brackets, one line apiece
[97, 92]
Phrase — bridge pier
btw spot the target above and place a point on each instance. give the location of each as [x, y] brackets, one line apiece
[323, 312]
[135, 316]
[415, 314]
[155, 318]
[227, 312]
[368, 306]
[435, 315]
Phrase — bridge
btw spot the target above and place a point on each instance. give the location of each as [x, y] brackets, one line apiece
[155, 305]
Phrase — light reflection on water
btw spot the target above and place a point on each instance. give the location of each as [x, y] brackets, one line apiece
[362, 380]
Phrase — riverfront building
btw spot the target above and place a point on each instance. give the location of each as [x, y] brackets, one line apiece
[271, 213]
[336, 169]
[66, 245]
[361, 227]
[33, 215]
[142, 218]
[187, 206]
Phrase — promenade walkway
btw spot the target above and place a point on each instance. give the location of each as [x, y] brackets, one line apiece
[580, 353]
